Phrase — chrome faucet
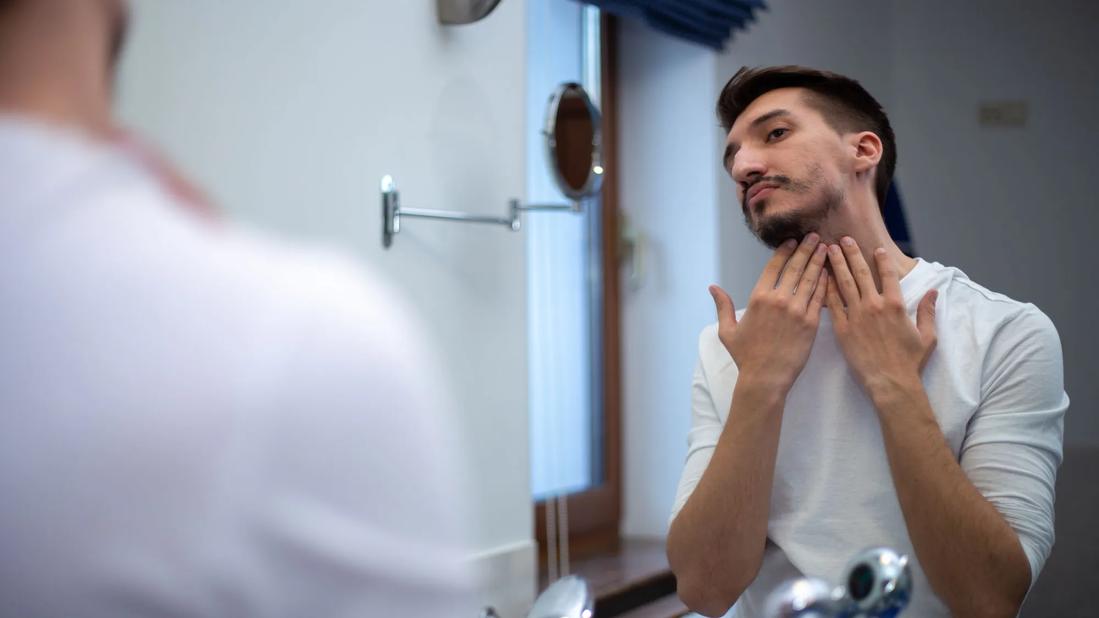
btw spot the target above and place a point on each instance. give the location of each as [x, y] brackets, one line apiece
[877, 583]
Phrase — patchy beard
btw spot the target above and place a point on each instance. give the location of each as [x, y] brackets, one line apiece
[773, 230]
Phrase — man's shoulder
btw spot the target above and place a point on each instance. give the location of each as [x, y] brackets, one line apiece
[977, 304]
[245, 297]
[975, 321]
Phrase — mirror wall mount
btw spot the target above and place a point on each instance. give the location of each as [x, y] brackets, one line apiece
[457, 12]
[574, 151]
[393, 212]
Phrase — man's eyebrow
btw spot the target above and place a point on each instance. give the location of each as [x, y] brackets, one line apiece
[775, 113]
[732, 147]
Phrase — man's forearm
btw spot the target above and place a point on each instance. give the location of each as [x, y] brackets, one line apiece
[716, 543]
[972, 557]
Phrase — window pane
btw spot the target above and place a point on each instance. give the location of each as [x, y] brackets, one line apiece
[562, 278]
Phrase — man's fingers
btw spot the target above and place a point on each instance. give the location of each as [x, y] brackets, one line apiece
[810, 280]
[887, 271]
[796, 266]
[859, 268]
[726, 312]
[819, 292]
[775, 265]
[925, 318]
[835, 303]
[842, 277]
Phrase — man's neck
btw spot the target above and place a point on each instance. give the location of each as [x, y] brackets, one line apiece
[860, 219]
[53, 64]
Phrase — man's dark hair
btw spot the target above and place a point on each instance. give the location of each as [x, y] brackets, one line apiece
[846, 106]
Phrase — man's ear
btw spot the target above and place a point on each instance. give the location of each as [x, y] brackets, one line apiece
[867, 149]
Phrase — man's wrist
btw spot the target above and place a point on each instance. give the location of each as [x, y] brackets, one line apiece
[761, 389]
[889, 393]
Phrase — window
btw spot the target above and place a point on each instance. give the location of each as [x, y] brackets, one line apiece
[572, 294]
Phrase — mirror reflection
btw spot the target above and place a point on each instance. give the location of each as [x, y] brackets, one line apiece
[573, 141]
[199, 418]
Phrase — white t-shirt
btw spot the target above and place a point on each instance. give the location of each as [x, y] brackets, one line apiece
[196, 421]
[995, 382]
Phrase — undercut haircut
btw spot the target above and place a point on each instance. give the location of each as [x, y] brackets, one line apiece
[845, 105]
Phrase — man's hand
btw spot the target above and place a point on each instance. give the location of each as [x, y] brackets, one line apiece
[880, 343]
[973, 559]
[771, 345]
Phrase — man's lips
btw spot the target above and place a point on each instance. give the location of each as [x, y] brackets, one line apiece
[759, 191]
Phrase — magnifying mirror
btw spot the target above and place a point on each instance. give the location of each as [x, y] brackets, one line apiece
[456, 12]
[574, 142]
[574, 150]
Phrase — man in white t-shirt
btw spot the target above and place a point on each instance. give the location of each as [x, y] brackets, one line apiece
[861, 398]
[195, 420]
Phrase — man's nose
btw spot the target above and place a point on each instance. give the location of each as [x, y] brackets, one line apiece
[747, 168]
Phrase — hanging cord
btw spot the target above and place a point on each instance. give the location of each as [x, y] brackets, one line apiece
[563, 528]
[551, 540]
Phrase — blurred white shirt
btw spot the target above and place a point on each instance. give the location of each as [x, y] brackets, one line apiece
[197, 421]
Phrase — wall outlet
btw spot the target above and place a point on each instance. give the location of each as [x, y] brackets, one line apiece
[1002, 113]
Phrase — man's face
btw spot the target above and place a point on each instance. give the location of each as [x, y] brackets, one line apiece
[788, 165]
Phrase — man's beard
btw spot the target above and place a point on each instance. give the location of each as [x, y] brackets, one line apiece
[773, 230]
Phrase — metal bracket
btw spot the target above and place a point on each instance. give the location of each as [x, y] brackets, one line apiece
[392, 212]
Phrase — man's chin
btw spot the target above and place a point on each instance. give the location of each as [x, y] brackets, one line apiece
[775, 229]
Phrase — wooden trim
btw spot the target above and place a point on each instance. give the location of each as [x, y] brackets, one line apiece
[594, 514]
[633, 579]
[612, 348]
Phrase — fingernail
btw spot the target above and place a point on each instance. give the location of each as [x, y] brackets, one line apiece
[812, 237]
[847, 240]
[834, 248]
[789, 244]
[821, 248]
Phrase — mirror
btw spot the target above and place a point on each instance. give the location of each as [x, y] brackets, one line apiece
[574, 142]
[457, 12]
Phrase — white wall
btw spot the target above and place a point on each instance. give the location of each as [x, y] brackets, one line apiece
[1015, 208]
[289, 115]
[667, 183]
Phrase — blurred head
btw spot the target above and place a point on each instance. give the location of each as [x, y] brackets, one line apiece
[58, 58]
[110, 17]
[801, 145]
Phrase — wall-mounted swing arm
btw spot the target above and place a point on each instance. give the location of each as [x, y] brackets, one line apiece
[574, 147]
[393, 212]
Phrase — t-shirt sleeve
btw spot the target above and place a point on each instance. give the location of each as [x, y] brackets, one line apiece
[1012, 447]
[705, 430]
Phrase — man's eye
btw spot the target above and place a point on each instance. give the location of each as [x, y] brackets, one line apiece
[776, 133]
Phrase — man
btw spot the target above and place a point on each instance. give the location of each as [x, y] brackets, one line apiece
[862, 398]
[194, 421]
